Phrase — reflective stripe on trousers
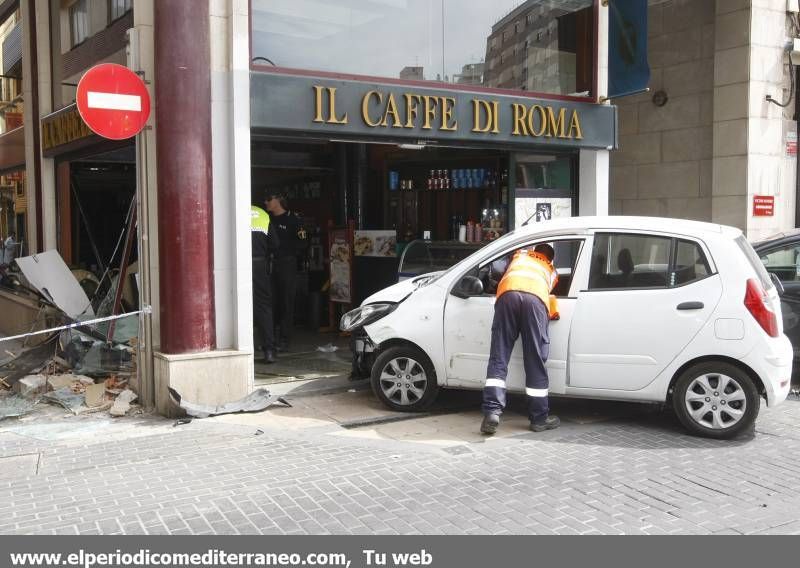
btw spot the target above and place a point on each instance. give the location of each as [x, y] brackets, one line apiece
[518, 314]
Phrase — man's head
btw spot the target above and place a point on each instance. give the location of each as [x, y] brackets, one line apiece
[276, 203]
[546, 250]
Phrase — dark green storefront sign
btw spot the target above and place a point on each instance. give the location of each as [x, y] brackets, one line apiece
[344, 109]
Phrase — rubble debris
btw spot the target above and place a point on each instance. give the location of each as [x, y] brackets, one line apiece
[30, 385]
[14, 406]
[4, 384]
[115, 385]
[95, 395]
[66, 398]
[182, 421]
[123, 403]
[48, 273]
[67, 380]
[256, 401]
[29, 362]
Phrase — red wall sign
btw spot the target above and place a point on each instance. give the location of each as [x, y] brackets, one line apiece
[113, 101]
[763, 205]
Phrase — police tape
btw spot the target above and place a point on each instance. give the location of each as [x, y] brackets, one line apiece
[90, 322]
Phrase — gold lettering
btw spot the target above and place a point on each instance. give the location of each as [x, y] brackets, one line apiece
[318, 116]
[429, 103]
[318, 103]
[575, 125]
[332, 119]
[555, 126]
[448, 104]
[365, 107]
[411, 108]
[542, 120]
[391, 108]
[520, 112]
[489, 110]
[496, 117]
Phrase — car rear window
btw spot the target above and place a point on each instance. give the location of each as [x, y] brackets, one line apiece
[755, 262]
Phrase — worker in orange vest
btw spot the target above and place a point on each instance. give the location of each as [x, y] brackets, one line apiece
[524, 306]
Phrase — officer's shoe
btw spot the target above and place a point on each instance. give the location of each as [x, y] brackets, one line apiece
[550, 423]
[269, 357]
[490, 423]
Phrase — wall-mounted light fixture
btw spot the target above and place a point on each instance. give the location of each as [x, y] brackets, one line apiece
[660, 98]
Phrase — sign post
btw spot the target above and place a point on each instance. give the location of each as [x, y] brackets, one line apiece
[113, 101]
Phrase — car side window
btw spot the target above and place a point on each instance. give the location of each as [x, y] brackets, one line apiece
[625, 261]
[783, 263]
[690, 264]
[566, 258]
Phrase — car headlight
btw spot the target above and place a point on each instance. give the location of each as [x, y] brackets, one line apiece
[365, 315]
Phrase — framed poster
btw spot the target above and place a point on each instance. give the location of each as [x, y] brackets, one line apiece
[341, 266]
[375, 243]
[540, 209]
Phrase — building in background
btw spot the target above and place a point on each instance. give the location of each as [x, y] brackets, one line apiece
[543, 46]
[412, 73]
[471, 74]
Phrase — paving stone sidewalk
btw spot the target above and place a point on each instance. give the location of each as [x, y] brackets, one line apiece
[622, 476]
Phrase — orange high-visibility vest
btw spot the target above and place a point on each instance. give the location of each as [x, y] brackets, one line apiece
[531, 272]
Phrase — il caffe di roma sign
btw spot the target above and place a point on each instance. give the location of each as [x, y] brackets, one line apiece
[360, 110]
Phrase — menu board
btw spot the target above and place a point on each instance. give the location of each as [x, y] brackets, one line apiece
[375, 243]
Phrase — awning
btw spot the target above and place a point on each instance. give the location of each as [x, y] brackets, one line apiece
[12, 150]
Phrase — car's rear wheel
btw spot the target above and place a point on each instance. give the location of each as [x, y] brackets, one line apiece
[403, 379]
[716, 399]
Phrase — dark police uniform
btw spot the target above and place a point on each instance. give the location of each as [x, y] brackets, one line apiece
[264, 245]
[293, 241]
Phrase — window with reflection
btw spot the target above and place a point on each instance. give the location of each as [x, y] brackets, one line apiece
[543, 46]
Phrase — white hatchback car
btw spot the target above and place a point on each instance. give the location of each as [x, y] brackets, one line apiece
[652, 310]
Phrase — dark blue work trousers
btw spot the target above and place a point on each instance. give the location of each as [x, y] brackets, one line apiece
[519, 314]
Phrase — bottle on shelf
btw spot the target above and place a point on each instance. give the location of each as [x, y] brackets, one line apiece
[446, 180]
[430, 180]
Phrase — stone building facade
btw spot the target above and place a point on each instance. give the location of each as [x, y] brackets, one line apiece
[704, 140]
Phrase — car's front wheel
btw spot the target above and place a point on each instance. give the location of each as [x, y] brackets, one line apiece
[403, 379]
[715, 399]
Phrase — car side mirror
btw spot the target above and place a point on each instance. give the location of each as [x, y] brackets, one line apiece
[468, 286]
[777, 282]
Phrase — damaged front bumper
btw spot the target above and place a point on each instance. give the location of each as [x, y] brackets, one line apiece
[363, 354]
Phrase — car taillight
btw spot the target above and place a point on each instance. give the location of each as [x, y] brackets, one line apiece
[755, 300]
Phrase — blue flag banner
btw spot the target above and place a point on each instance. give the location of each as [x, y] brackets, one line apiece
[628, 71]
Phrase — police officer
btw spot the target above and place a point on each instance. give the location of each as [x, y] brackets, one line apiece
[292, 239]
[524, 307]
[265, 243]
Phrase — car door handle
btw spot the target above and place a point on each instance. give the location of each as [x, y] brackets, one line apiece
[690, 306]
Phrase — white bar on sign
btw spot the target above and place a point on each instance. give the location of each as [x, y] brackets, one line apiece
[113, 101]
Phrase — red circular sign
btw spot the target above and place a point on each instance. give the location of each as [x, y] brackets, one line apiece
[113, 101]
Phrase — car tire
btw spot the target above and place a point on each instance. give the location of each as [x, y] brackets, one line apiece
[716, 399]
[403, 379]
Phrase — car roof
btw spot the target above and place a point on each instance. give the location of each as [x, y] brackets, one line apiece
[789, 235]
[624, 222]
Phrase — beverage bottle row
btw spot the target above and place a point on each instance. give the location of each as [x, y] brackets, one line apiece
[468, 231]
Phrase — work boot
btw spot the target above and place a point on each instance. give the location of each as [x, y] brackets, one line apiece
[269, 356]
[490, 423]
[550, 423]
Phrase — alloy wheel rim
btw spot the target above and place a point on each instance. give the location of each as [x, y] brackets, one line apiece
[403, 381]
[715, 401]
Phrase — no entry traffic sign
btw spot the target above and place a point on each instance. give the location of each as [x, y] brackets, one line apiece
[113, 101]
